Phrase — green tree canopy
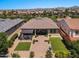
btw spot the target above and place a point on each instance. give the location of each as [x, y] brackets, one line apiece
[3, 43]
[54, 18]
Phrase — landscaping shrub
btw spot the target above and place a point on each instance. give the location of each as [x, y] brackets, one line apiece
[11, 41]
[31, 54]
[61, 54]
[14, 55]
[74, 54]
[73, 47]
[14, 37]
[46, 41]
[48, 54]
[58, 47]
[35, 41]
[68, 44]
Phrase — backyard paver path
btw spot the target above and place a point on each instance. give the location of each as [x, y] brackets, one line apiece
[23, 54]
[11, 50]
[40, 47]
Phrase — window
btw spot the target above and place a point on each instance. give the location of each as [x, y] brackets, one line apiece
[77, 32]
[53, 31]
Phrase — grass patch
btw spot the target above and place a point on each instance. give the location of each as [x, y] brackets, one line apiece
[57, 44]
[23, 46]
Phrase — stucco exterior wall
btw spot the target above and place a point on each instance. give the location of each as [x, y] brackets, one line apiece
[73, 33]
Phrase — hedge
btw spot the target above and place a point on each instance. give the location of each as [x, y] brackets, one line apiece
[58, 47]
[73, 46]
[11, 41]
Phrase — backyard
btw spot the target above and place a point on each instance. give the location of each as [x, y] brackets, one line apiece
[23, 46]
[58, 47]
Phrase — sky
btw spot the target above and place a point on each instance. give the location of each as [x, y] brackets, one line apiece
[29, 4]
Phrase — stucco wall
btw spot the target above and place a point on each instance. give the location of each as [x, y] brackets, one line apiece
[74, 34]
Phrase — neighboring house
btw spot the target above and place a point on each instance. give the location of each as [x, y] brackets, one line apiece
[9, 26]
[38, 26]
[69, 28]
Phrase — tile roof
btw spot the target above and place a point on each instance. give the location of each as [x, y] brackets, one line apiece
[40, 23]
[6, 24]
[73, 23]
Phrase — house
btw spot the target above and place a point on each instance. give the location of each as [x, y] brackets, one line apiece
[69, 28]
[38, 26]
[8, 26]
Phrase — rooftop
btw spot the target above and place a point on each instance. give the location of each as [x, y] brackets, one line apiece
[40, 23]
[73, 23]
[6, 24]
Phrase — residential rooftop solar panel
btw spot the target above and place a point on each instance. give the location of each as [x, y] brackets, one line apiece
[8, 24]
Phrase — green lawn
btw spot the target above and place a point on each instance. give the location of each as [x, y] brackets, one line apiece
[57, 44]
[23, 46]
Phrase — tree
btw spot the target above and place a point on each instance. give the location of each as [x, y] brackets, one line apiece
[3, 43]
[73, 53]
[44, 13]
[75, 46]
[4, 12]
[68, 44]
[66, 12]
[54, 18]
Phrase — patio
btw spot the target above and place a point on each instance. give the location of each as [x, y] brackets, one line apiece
[38, 26]
[40, 47]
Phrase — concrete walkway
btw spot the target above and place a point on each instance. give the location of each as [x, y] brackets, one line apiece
[23, 54]
[40, 47]
[11, 50]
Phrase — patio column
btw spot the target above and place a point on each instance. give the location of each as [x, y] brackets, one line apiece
[71, 33]
[22, 36]
[48, 31]
[35, 32]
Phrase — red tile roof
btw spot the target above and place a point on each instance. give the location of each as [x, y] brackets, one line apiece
[40, 23]
[73, 23]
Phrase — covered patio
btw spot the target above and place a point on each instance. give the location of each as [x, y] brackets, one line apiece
[38, 26]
